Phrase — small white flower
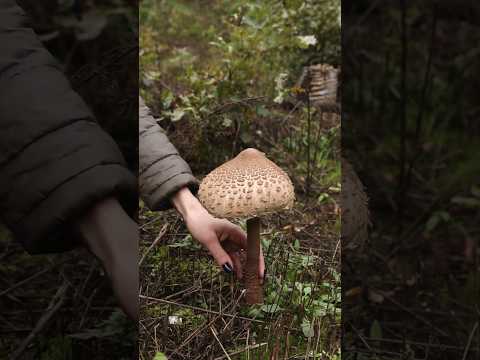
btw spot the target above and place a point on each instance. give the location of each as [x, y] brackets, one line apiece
[308, 40]
[174, 320]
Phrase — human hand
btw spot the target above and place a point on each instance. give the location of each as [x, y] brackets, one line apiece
[224, 240]
[112, 236]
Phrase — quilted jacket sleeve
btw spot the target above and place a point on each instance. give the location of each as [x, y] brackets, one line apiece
[55, 160]
[162, 170]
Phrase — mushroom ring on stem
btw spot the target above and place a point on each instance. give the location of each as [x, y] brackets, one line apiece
[248, 186]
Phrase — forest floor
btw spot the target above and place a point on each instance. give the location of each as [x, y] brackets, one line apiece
[192, 310]
[65, 301]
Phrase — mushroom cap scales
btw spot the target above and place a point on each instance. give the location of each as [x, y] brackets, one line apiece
[248, 185]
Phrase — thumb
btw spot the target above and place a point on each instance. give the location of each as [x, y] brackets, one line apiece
[219, 254]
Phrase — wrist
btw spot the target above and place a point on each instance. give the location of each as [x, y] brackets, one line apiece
[187, 204]
[101, 213]
[102, 222]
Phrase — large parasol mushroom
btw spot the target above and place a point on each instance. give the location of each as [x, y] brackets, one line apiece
[248, 186]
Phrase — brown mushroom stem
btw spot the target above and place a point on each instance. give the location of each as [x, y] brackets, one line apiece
[252, 282]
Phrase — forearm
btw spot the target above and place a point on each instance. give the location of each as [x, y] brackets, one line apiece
[187, 204]
[106, 220]
[113, 237]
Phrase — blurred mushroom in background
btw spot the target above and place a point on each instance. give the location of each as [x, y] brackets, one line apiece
[354, 209]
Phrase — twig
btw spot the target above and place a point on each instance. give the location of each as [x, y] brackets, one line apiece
[362, 338]
[79, 293]
[192, 335]
[33, 277]
[291, 112]
[53, 307]
[248, 348]
[149, 222]
[87, 308]
[418, 317]
[219, 342]
[469, 343]
[338, 246]
[154, 243]
[309, 138]
[221, 107]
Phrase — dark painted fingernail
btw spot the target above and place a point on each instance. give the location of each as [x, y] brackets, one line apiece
[227, 268]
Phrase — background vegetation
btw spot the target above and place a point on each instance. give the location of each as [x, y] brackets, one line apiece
[220, 77]
[410, 126]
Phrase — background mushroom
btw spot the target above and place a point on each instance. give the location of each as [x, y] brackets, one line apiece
[248, 186]
[321, 85]
[354, 207]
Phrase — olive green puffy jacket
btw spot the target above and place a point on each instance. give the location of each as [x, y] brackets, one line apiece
[162, 170]
[55, 160]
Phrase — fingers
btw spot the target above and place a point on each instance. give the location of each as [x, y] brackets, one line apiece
[233, 232]
[238, 239]
[227, 252]
[219, 254]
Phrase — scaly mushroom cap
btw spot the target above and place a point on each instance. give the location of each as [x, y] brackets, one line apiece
[249, 185]
[354, 207]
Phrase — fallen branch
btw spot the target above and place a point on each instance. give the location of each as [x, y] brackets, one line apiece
[154, 243]
[219, 342]
[34, 276]
[52, 308]
[469, 343]
[248, 348]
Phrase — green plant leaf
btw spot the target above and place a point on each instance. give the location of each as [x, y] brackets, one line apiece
[263, 111]
[167, 100]
[177, 114]
[307, 328]
[467, 202]
[376, 330]
[271, 308]
[436, 219]
[160, 356]
[296, 244]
